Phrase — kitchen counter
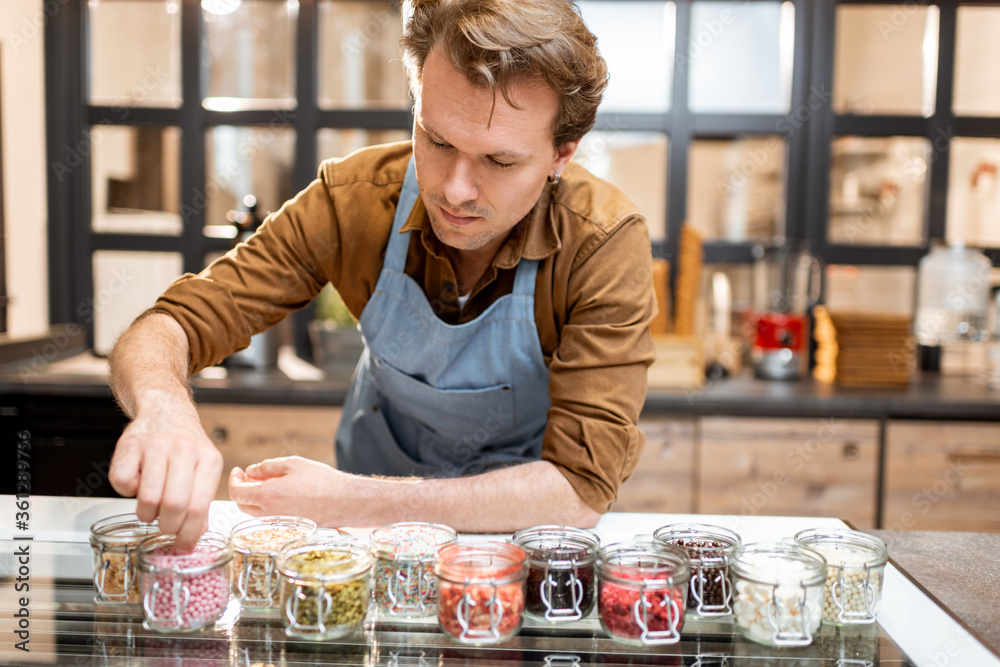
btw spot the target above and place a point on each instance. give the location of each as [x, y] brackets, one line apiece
[294, 382]
[68, 628]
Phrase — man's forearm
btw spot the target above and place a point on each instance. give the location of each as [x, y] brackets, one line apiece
[499, 501]
[150, 359]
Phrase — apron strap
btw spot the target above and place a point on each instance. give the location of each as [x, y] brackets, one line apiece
[399, 244]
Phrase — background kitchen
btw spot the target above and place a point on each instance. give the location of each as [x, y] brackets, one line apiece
[814, 147]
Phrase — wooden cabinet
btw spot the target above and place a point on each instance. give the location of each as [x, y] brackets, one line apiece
[942, 476]
[799, 467]
[247, 434]
[663, 479]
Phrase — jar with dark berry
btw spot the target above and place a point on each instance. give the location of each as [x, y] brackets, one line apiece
[710, 548]
[184, 591]
[641, 591]
[481, 591]
[404, 580]
[561, 576]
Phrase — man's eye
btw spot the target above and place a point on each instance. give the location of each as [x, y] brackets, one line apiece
[501, 165]
[436, 144]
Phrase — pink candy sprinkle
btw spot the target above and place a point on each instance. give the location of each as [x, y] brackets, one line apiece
[208, 591]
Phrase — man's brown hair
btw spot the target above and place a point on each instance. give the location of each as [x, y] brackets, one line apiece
[497, 42]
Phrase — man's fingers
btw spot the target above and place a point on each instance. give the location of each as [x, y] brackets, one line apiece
[205, 481]
[243, 489]
[124, 471]
[153, 475]
[176, 501]
[268, 468]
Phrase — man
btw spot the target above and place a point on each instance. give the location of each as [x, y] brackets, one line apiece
[503, 292]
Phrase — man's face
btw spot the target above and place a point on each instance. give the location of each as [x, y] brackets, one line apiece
[480, 176]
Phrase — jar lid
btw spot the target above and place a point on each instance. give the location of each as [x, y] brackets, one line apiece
[123, 529]
[557, 546]
[210, 551]
[411, 539]
[692, 536]
[484, 562]
[778, 563]
[644, 562]
[323, 559]
[267, 534]
[842, 546]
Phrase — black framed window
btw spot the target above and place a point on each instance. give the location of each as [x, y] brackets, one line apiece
[752, 120]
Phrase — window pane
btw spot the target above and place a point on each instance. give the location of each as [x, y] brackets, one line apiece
[359, 51]
[977, 62]
[338, 143]
[974, 192]
[250, 53]
[885, 59]
[740, 57]
[243, 161]
[125, 284]
[736, 188]
[878, 190]
[637, 42]
[135, 53]
[870, 289]
[135, 179]
[636, 162]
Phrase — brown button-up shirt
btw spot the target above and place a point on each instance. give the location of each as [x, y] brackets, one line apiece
[593, 294]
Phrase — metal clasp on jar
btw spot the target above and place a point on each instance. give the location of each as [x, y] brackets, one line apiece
[674, 614]
[854, 581]
[269, 576]
[100, 575]
[177, 588]
[573, 613]
[719, 566]
[463, 610]
[396, 588]
[789, 636]
[324, 603]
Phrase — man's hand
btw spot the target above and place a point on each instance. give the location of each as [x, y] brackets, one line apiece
[291, 485]
[165, 459]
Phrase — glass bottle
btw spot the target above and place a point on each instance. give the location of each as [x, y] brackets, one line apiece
[404, 566]
[855, 572]
[561, 576]
[481, 591]
[256, 542]
[324, 586]
[710, 548]
[641, 591]
[777, 592]
[114, 541]
[184, 591]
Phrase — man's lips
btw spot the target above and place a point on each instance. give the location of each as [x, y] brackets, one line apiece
[459, 220]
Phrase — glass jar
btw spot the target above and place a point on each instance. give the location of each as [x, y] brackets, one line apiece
[114, 541]
[404, 566]
[184, 590]
[256, 542]
[324, 586]
[710, 548]
[855, 571]
[481, 591]
[777, 592]
[641, 591]
[561, 576]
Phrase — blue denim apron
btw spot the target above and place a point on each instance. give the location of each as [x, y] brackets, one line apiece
[438, 400]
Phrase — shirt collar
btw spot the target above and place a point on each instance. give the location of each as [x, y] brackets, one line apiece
[535, 237]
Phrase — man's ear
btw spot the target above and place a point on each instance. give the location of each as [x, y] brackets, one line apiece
[564, 155]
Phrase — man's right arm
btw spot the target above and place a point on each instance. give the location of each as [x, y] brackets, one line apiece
[163, 457]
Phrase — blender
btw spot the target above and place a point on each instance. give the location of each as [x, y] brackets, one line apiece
[785, 281]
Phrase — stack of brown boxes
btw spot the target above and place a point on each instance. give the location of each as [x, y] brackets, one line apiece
[872, 349]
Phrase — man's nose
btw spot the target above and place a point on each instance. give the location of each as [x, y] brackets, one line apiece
[461, 184]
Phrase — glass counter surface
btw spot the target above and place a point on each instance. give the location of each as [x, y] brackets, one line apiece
[68, 628]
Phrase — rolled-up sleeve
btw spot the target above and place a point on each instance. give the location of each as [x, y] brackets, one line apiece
[278, 270]
[598, 372]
